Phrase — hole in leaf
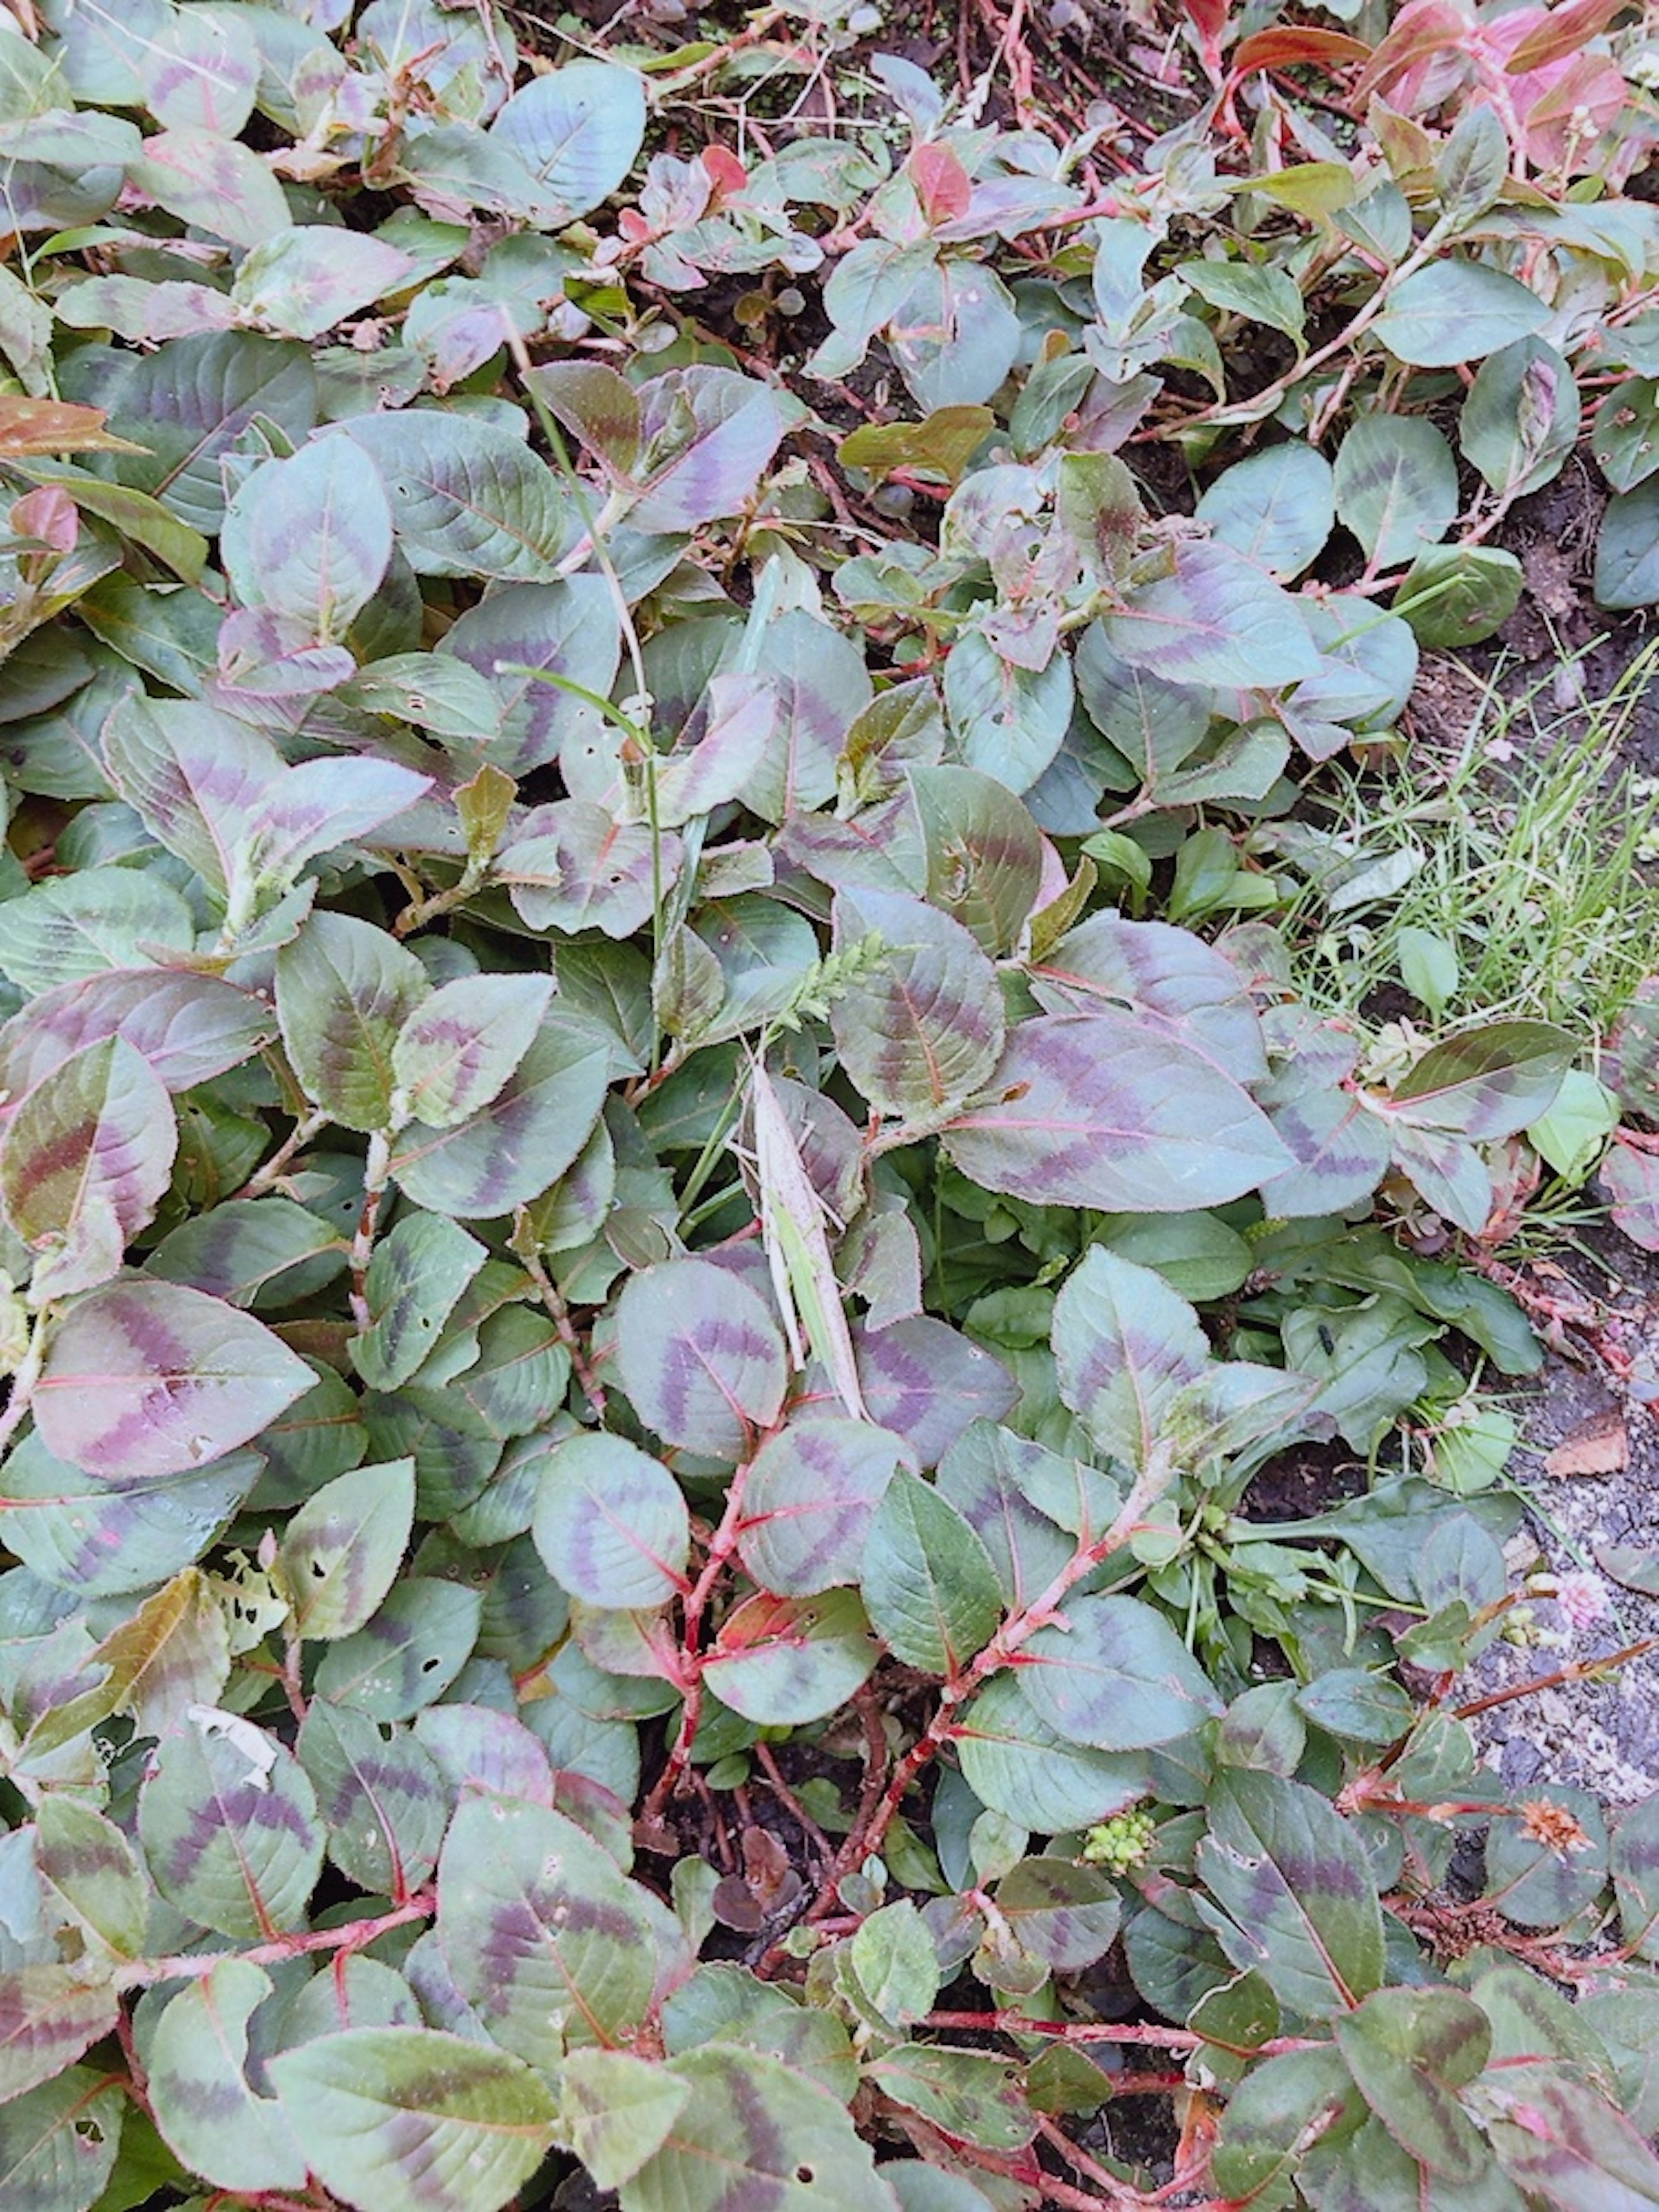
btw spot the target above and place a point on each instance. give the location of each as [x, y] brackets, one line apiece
[804, 2175]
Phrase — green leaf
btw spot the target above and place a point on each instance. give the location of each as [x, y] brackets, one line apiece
[85, 1158]
[228, 1823]
[753, 2131]
[984, 853]
[1294, 1897]
[1626, 438]
[1097, 1112]
[1276, 508]
[1396, 486]
[144, 1379]
[341, 1550]
[1537, 1886]
[1009, 720]
[1457, 311]
[1111, 1674]
[1357, 1705]
[206, 2108]
[83, 925]
[811, 1497]
[411, 2119]
[1021, 1767]
[1460, 594]
[920, 1030]
[1125, 1346]
[896, 1963]
[1263, 295]
[1291, 2101]
[1411, 2050]
[784, 1662]
[1627, 548]
[611, 1524]
[701, 1357]
[1636, 1876]
[928, 1581]
[943, 444]
[345, 991]
[544, 1937]
[409, 1653]
[966, 2093]
[616, 2111]
[577, 130]
[58, 2144]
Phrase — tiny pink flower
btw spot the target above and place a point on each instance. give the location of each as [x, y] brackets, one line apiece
[1583, 1598]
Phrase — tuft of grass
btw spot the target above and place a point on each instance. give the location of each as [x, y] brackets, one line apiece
[1517, 875]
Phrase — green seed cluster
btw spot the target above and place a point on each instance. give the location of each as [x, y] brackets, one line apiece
[1121, 1843]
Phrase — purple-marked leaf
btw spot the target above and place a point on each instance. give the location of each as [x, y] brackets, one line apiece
[198, 74]
[1094, 1112]
[1154, 723]
[925, 1381]
[410, 2119]
[1486, 1083]
[756, 2132]
[708, 436]
[610, 1524]
[144, 1379]
[195, 399]
[984, 853]
[783, 1661]
[341, 1550]
[1218, 619]
[310, 537]
[1124, 1346]
[416, 1278]
[1564, 2144]
[1411, 2050]
[521, 1143]
[300, 283]
[1234, 1406]
[84, 1161]
[1340, 1149]
[1636, 1876]
[970, 2094]
[1277, 508]
[476, 1744]
[701, 1356]
[596, 405]
[1173, 983]
[169, 1656]
[320, 805]
[1115, 1677]
[568, 629]
[1065, 1916]
[408, 1653]
[382, 1801]
[1298, 2104]
[546, 1939]
[996, 1480]
[216, 182]
[89, 1876]
[48, 2016]
[252, 1252]
[73, 926]
[1294, 1895]
[228, 1823]
[822, 687]
[733, 729]
[345, 991]
[78, 1534]
[1537, 1886]
[1448, 1174]
[568, 867]
[920, 1030]
[928, 1583]
[618, 2109]
[458, 1048]
[812, 1494]
[1396, 486]
[208, 2112]
[467, 498]
[58, 2144]
[725, 2004]
[192, 776]
[577, 130]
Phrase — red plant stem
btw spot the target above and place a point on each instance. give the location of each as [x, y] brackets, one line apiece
[352, 1937]
[1580, 1671]
[1001, 1651]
